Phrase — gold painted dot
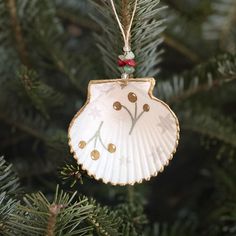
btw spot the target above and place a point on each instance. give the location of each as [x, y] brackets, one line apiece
[146, 107]
[95, 155]
[132, 97]
[117, 106]
[111, 148]
[82, 144]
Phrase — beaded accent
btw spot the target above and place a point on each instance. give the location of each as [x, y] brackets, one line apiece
[127, 64]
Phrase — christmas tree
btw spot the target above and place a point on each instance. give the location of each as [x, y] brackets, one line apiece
[49, 52]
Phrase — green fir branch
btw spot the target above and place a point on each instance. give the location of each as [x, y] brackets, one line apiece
[132, 213]
[209, 122]
[220, 23]
[216, 72]
[181, 25]
[63, 216]
[9, 182]
[7, 207]
[223, 215]
[145, 36]
[42, 96]
[72, 174]
[9, 187]
[104, 221]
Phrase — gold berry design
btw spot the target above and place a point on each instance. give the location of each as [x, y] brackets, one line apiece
[117, 106]
[132, 97]
[111, 148]
[146, 107]
[82, 144]
[95, 154]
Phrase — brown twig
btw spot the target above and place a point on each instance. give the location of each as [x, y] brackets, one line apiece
[54, 210]
[20, 43]
[125, 14]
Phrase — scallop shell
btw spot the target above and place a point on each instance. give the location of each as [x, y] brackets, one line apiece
[123, 134]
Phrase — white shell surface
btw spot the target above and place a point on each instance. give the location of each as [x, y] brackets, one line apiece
[142, 131]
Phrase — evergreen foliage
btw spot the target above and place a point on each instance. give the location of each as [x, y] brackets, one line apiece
[49, 50]
[9, 187]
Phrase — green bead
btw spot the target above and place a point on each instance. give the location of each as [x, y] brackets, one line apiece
[122, 57]
[129, 55]
[129, 69]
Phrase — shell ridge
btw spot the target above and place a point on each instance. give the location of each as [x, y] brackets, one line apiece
[160, 140]
[115, 162]
[144, 160]
[140, 153]
[130, 177]
[123, 168]
[151, 160]
[164, 150]
[155, 156]
[168, 136]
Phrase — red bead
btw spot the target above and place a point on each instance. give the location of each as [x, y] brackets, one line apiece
[130, 62]
[121, 63]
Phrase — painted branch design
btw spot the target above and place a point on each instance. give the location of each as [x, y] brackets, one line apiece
[132, 97]
[95, 154]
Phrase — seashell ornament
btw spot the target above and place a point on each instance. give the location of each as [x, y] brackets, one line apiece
[123, 134]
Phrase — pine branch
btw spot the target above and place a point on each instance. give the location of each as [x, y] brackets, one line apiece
[7, 207]
[146, 38]
[181, 48]
[9, 182]
[220, 24]
[48, 36]
[125, 13]
[72, 173]
[20, 42]
[223, 217]
[212, 124]
[180, 25]
[104, 221]
[9, 187]
[54, 210]
[63, 216]
[85, 22]
[51, 38]
[109, 41]
[41, 95]
[54, 138]
[216, 72]
[132, 214]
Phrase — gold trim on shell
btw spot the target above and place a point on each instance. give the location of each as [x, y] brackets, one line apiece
[125, 81]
